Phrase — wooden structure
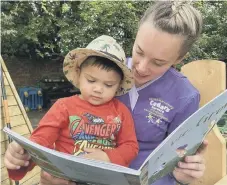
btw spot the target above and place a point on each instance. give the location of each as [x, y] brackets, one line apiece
[209, 77]
[19, 123]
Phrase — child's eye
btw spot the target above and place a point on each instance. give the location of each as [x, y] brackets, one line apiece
[90, 81]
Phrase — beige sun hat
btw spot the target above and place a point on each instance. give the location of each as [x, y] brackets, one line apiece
[103, 46]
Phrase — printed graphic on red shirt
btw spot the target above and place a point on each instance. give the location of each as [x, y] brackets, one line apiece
[90, 131]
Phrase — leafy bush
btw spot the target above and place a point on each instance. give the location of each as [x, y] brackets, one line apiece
[51, 28]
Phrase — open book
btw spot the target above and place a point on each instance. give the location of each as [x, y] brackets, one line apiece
[183, 141]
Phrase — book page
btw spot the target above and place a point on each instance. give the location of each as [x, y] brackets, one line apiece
[75, 168]
[185, 139]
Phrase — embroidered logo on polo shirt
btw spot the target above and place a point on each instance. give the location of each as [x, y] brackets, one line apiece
[157, 111]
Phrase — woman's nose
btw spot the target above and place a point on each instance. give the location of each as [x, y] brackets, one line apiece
[142, 66]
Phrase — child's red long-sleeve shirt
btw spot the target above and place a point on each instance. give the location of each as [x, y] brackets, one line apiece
[73, 124]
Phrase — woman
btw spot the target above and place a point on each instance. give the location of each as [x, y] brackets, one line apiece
[166, 33]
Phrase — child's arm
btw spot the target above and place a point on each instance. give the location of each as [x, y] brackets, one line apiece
[51, 125]
[127, 145]
[46, 134]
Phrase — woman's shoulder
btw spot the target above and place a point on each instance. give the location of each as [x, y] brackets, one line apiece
[182, 83]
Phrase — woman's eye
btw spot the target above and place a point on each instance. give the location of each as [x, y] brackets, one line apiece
[158, 64]
[139, 53]
[90, 81]
[108, 85]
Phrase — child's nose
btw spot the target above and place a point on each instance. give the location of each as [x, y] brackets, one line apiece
[98, 89]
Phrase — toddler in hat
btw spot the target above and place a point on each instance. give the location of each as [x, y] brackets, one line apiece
[93, 124]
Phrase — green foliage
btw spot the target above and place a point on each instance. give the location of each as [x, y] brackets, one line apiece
[49, 29]
[36, 25]
[222, 124]
[92, 19]
[213, 42]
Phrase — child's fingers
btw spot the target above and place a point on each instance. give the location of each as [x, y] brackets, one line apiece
[15, 147]
[18, 152]
[10, 166]
[15, 159]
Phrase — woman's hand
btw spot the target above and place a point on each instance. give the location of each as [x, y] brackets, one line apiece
[193, 168]
[47, 179]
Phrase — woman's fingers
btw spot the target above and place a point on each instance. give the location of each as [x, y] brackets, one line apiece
[191, 174]
[192, 166]
[203, 147]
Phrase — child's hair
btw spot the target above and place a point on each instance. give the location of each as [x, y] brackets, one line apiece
[102, 63]
[175, 17]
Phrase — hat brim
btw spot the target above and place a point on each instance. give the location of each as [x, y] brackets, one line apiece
[76, 57]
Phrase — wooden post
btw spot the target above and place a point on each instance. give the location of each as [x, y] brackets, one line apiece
[19, 123]
[209, 77]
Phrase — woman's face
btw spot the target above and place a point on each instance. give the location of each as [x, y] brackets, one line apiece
[154, 52]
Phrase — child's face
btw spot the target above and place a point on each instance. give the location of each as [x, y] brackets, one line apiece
[98, 86]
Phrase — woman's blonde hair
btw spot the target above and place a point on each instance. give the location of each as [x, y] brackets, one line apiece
[176, 17]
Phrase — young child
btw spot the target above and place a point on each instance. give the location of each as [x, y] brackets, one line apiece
[93, 124]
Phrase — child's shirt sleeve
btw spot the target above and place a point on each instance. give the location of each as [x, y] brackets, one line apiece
[127, 145]
[45, 134]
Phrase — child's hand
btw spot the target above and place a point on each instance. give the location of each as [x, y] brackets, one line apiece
[15, 157]
[98, 154]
